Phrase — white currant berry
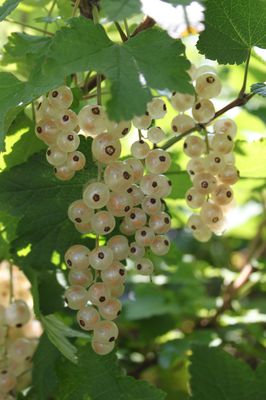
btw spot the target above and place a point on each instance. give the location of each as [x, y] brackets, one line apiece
[155, 134]
[115, 274]
[211, 213]
[119, 245]
[222, 195]
[47, 130]
[182, 101]
[61, 98]
[136, 194]
[137, 168]
[118, 176]
[98, 293]
[92, 120]
[182, 123]
[21, 350]
[56, 156]
[77, 256]
[144, 266]
[142, 122]
[101, 257]
[136, 251]
[229, 175]
[45, 110]
[208, 85]
[126, 228]
[117, 290]
[120, 129]
[158, 185]
[88, 317]
[102, 348]
[136, 218]
[160, 245]
[105, 148]
[194, 198]
[222, 143]
[203, 234]
[194, 146]
[160, 223]
[64, 172]
[203, 69]
[196, 166]
[151, 205]
[76, 297]
[226, 126]
[111, 309]
[140, 149]
[96, 195]
[83, 228]
[157, 108]
[80, 277]
[214, 162]
[195, 222]
[158, 161]
[105, 332]
[203, 111]
[144, 236]
[76, 160]
[204, 183]
[79, 213]
[68, 121]
[229, 158]
[17, 314]
[119, 204]
[68, 142]
[7, 382]
[102, 223]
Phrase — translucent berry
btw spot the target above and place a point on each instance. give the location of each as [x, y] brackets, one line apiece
[7, 382]
[102, 348]
[76, 297]
[136, 194]
[194, 146]
[115, 274]
[208, 85]
[136, 217]
[160, 245]
[67, 121]
[101, 257]
[88, 317]
[17, 314]
[194, 198]
[79, 212]
[182, 123]
[137, 168]
[144, 266]
[222, 195]
[203, 235]
[142, 122]
[203, 69]
[117, 290]
[140, 149]
[211, 213]
[126, 228]
[226, 126]
[155, 134]
[204, 183]
[76, 160]
[106, 148]
[136, 251]
[158, 161]
[196, 166]
[119, 246]
[68, 141]
[96, 195]
[77, 256]
[120, 204]
[222, 143]
[80, 277]
[56, 156]
[118, 176]
[160, 223]
[151, 205]
[229, 175]
[92, 120]
[214, 162]
[64, 172]
[61, 98]
[98, 293]
[102, 223]
[111, 309]
[157, 108]
[105, 332]
[144, 236]
[155, 185]
[182, 101]
[203, 111]
[47, 130]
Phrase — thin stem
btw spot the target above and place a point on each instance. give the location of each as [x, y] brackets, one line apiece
[75, 9]
[242, 91]
[176, 139]
[33, 113]
[29, 26]
[121, 32]
[187, 20]
[127, 28]
[49, 14]
[95, 14]
[140, 134]
[99, 90]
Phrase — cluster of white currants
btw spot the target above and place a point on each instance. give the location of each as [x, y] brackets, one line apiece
[211, 167]
[127, 195]
[57, 126]
[17, 345]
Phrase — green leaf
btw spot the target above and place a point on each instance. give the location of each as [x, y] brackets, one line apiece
[217, 375]
[58, 332]
[44, 373]
[7, 8]
[90, 48]
[259, 88]
[117, 9]
[232, 28]
[31, 192]
[179, 2]
[99, 377]
[261, 381]
[254, 152]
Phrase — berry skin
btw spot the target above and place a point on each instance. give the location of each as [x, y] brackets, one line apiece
[96, 195]
[136, 194]
[194, 146]
[76, 297]
[208, 85]
[102, 223]
[102, 348]
[7, 382]
[204, 183]
[136, 167]
[226, 126]
[47, 130]
[119, 204]
[117, 290]
[68, 121]
[203, 111]
[211, 214]
[195, 223]
[203, 234]
[194, 198]
[17, 314]
[161, 245]
[83, 228]
[222, 195]
[229, 175]
[121, 129]
[151, 205]
[182, 123]
[214, 162]
[155, 134]
[105, 332]
[76, 160]
[79, 212]
[45, 110]
[115, 274]
[136, 251]
[222, 143]
[160, 223]
[144, 236]
[140, 149]
[182, 102]
[92, 120]
[105, 148]
[56, 156]
[98, 293]
[157, 108]
[118, 176]
[80, 277]
[136, 218]
[101, 257]
[119, 245]
[77, 256]
[142, 122]
[203, 69]
[127, 228]
[158, 161]
[155, 185]
[144, 266]
[111, 309]
[63, 172]
[87, 318]
[68, 141]
[196, 166]
[60, 98]
[21, 350]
